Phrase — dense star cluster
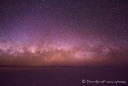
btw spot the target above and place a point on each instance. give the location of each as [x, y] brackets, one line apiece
[64, 32]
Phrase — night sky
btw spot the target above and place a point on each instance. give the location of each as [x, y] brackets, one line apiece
[64, 32]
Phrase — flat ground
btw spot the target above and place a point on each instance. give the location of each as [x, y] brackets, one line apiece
[61, 76]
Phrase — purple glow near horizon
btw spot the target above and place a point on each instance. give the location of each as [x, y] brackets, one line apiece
[80, 33]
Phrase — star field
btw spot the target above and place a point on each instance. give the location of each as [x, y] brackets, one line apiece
[59, 32]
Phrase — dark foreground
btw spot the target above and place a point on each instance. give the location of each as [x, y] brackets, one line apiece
[61, 76]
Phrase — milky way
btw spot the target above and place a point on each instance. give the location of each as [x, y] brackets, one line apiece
[64, 33]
